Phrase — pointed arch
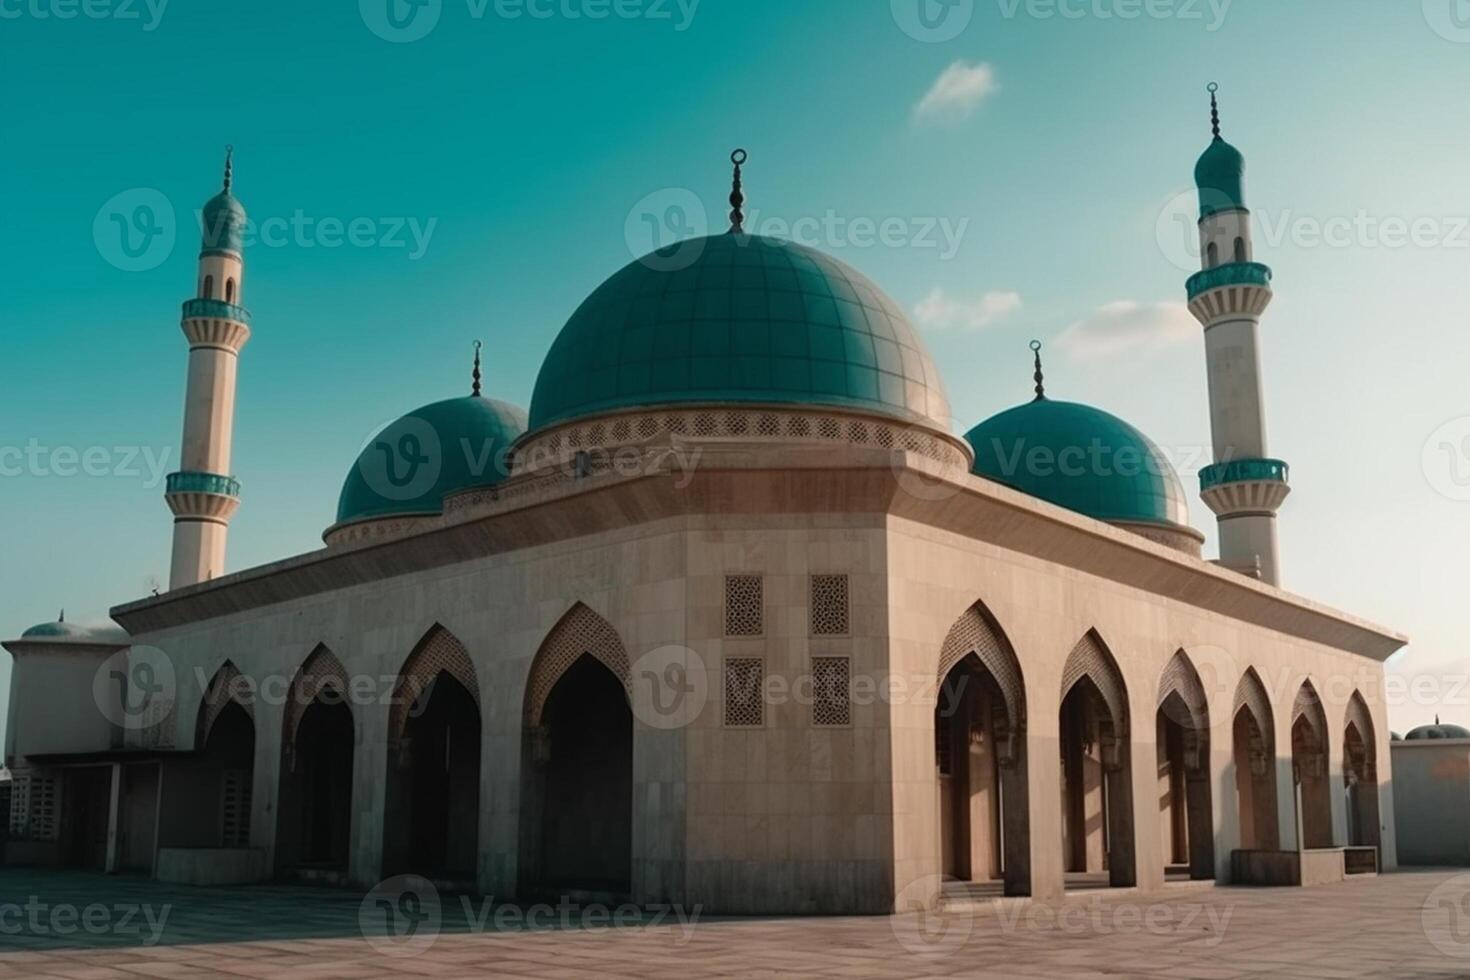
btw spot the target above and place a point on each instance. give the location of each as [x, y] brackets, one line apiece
[320, 675]
[1361, 718]
[1308, 705]
[1091, 659]
[227, 686]
[977, 632]
[438, 652]
[1180, 677]
[1250, 695]
[580, 632]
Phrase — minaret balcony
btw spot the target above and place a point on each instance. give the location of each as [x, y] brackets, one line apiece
[1233, 290]
[1245, 486]
[214, 309]
[213, 323]
[202, 496]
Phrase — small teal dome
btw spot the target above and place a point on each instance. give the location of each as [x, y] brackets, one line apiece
[739, 318]
[62, 631]
[1436, 731]
[223, 223]
[1083, 459]
[1220, 177]
[409, 467]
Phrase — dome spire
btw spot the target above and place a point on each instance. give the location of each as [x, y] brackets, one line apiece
[1214, 87]
[737, 195]
[229, 166]
[1040, 378]
[62, 619]
[476, 391]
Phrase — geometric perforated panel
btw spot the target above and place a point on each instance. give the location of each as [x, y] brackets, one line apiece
[744, 605]
[1090, 659]
[744, 692]
[438, 652]
[581, 631]
[976, 632]
[831, 684]
[829, 605]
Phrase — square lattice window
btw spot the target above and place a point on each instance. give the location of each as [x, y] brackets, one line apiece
[744, 605]
[744, 680]
[829, 605]
[831, 685]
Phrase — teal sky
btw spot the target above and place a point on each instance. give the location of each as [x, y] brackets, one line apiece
[530, 142]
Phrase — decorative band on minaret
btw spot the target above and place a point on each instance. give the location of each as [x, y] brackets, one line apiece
[203, 495]
[1245, 487]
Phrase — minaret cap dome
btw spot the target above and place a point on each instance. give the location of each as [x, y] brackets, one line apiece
[223, 223]
[1220, 177]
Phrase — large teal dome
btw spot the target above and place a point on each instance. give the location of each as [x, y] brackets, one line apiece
[738, 318]
[1220, 177]
[409, 467]
[1083, 459]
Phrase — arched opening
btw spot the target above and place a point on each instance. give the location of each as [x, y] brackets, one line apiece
[1240, 254]
[229, 290]
[1097, 796]
[1182, 730]
[317, 746]
[1360, 777]
[1309, 768]
[576, 834]
[221, 782]
[1212, 255]
[207, 290]
[432, 798]
[582, 764]
[229, 754]
[980, 758]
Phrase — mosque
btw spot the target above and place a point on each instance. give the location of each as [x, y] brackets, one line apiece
[729, 617]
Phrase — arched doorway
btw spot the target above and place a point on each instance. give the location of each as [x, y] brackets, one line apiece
[980, 757]
[1254, 755]
[317, 747]
[1182, 730]
[1360, 776]
[577, 764]
[221, 792]
[1096, 764]
[1309, 764]
[432, 790]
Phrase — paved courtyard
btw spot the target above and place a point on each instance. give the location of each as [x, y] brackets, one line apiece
[83, 926]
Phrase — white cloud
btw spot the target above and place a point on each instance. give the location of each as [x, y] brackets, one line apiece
[940, 310]
[957, 92]
[1129, 327]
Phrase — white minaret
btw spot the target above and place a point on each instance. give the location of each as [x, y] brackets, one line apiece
[203, 495]
[1245, 487]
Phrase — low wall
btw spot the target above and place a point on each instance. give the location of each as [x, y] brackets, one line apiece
[211, 865]
[1319, 866]
[32, 854]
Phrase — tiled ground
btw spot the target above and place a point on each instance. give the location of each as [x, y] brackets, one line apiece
[1406, 925]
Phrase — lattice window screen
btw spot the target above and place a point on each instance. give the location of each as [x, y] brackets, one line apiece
[831, 686]
[744, 683]
[20, 806]
[744, 605]
[829, 605]
[45, 805]
[235, 808]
